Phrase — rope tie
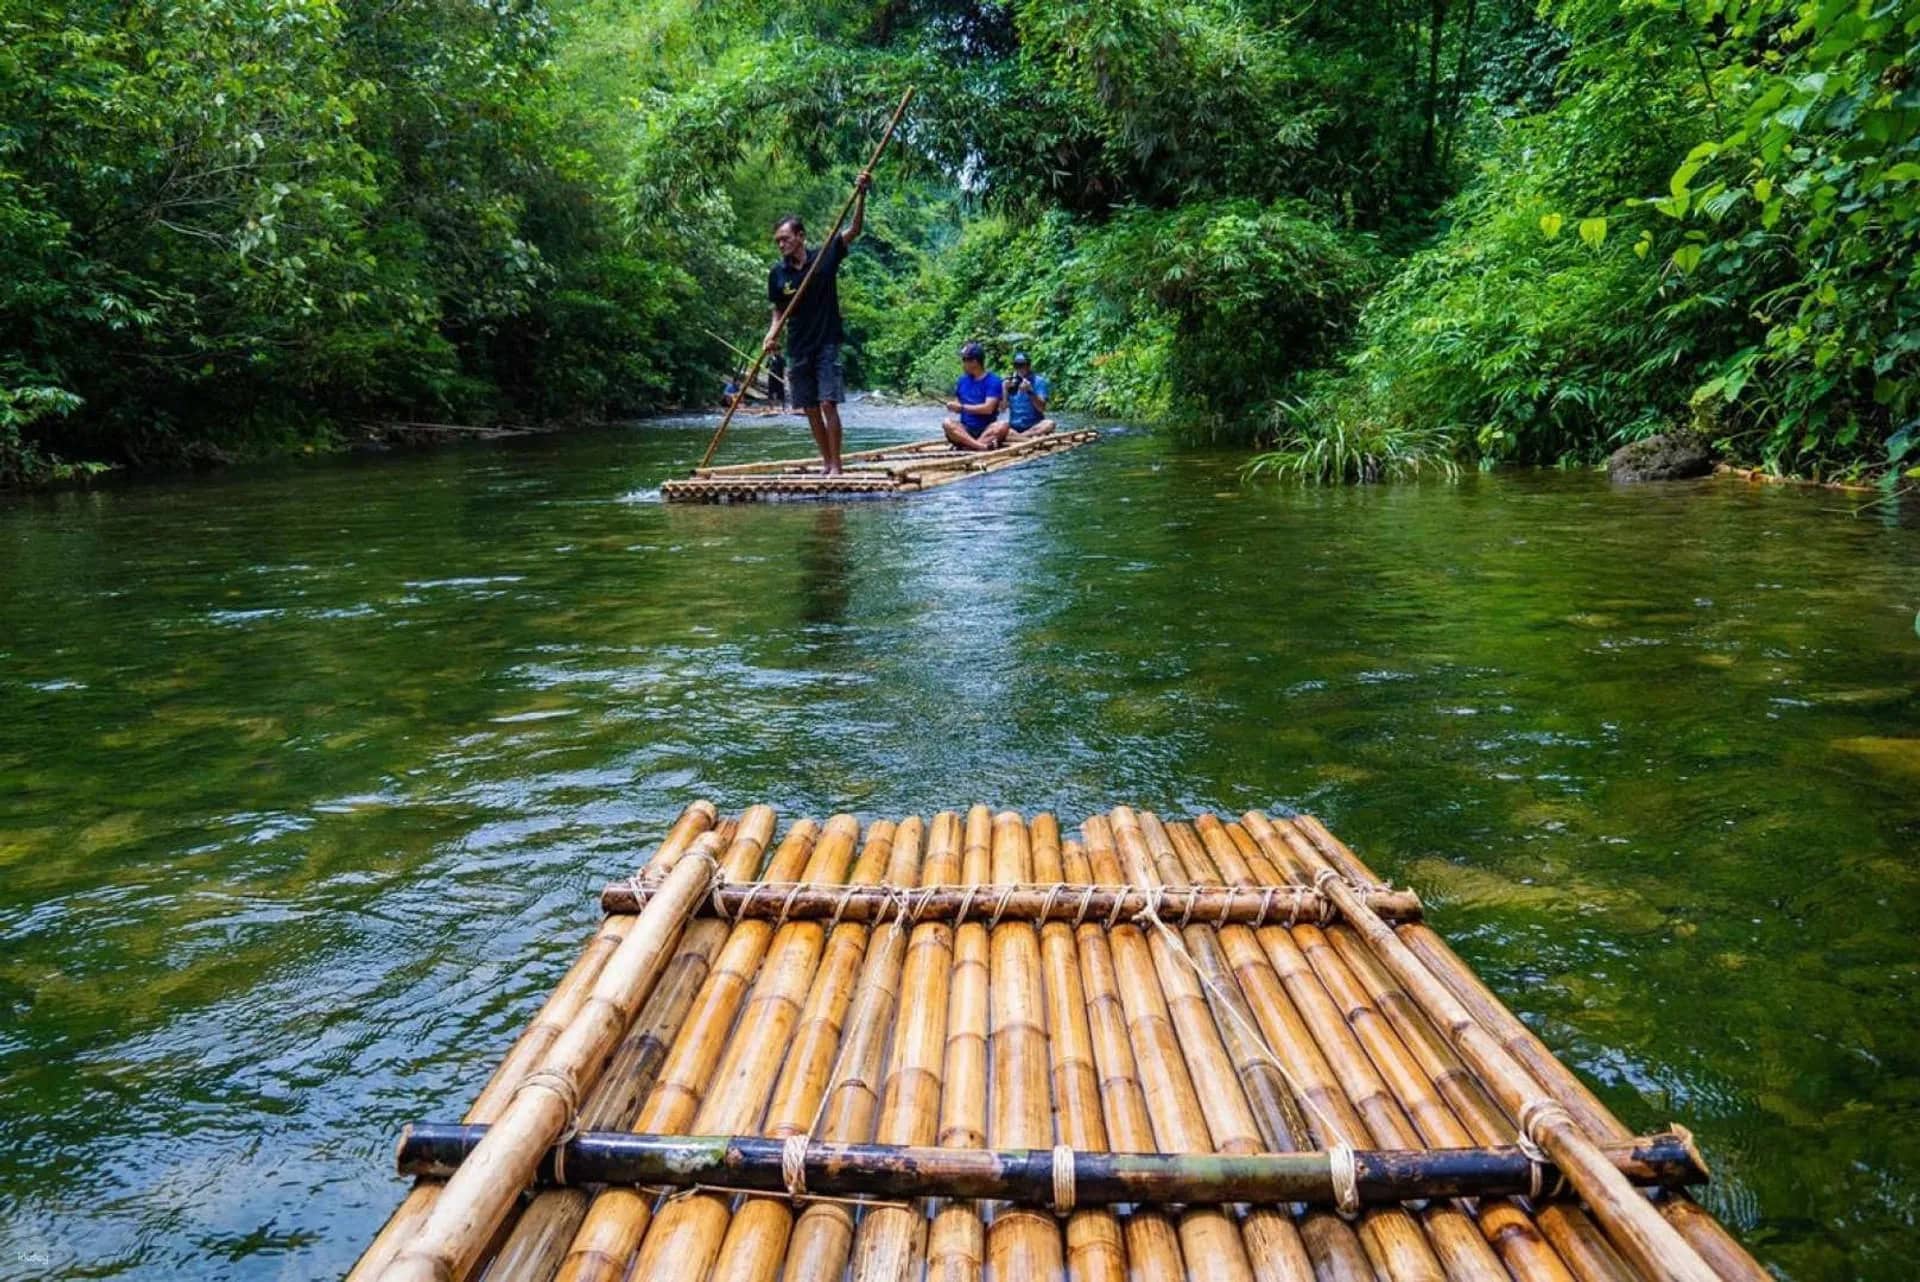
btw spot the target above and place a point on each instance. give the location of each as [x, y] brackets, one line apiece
[999, 908]
[1046, 905]
[1535, 1116]
[1086, 903]
[786, 905]
[1186, 913]
[846, 896]
[1537, 1164]
[966, 905]
[560, 1084]
[793, 1164]
[1062, 1179]
[1119, 902]
[1346, 1179]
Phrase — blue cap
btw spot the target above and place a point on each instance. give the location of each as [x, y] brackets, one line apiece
[973, 352]
[1020, 358]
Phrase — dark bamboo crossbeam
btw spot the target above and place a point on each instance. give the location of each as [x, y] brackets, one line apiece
[893, 1172]
[1198, 905]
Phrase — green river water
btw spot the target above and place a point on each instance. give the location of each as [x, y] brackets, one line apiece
[308, 776]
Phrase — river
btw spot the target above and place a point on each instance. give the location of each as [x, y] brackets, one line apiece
[308, 775]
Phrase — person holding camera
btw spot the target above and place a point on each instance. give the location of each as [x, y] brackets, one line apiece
[1025, 397]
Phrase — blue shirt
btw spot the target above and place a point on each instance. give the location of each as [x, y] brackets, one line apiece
[969, 390]
[1021, 411]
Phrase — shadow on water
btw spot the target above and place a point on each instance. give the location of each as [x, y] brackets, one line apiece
[309, 774]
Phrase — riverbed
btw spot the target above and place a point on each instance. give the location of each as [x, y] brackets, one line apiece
[309, 774]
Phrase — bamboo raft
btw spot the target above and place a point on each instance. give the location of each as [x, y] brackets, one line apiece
[1215, 1049]
[892, 470]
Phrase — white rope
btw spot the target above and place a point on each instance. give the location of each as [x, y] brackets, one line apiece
[1346, 1179]
[793, 1164]
[1062, 1179]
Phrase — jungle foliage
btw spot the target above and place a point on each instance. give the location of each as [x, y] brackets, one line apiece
[1372, 238]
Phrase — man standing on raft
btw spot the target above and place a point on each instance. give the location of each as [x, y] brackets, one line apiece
[815, 380]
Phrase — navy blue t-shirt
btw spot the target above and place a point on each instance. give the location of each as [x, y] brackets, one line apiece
[969, 390]
[815, 323]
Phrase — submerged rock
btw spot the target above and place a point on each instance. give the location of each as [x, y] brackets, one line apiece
[1670, 456]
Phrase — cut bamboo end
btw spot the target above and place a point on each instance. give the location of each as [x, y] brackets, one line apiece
[1167, 1048]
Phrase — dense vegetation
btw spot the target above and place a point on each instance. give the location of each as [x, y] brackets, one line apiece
[1371, 238]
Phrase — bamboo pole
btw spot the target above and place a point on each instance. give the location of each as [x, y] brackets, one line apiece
[475, 1202]
[822, 1237]
[685, 1235]
[1152, 1242]
[1096, 1251]
[603, 1245]
[1567, 1228]
[890, 1241]
[1211, 904]
[1023, 1244]
[1275, 1120]
[755, 1163]
[1702, 1231]
[1209, 1240]
[807, 278]
[956, 1242]
[561, 1004]
[1331, 1240]
[756, 1238]
[1637, 1230]
[540, 1237]
[1452, 1242]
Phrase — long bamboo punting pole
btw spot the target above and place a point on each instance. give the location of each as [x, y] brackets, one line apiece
[685, 1235]
[755, 1163]
[1706, 1234]
[475, 1202]
[956, 1242]
[822, 1237]
[1209, 1239]
[1637, 1230]
[1096, 1250]
[540, 1237]
[604, 1244]
[1213, 905]
[806, 279]
[890, 1241]
[1152, 1242]
[755, 1239]
[554, 1014]
[1023, 1244]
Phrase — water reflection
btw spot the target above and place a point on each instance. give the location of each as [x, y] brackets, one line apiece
[824, 567]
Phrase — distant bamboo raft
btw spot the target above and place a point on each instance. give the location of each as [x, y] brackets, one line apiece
[1217, 1049]
[893, 470]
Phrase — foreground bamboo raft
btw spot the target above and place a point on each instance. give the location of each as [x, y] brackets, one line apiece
[895, 470]
[1214, 1049]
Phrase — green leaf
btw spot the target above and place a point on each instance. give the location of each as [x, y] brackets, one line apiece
[1904, 172]
[1550, 224]
[1644, 245]
[1763, 189]
[1593, 231]
[1687, 257]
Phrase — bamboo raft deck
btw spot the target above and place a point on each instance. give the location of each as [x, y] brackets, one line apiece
[1213, 1049]
[886, 472]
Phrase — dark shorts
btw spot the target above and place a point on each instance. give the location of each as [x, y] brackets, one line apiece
[816, 377]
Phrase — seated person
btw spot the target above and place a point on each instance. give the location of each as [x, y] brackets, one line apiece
[1026, 399]
[975, 406]
[730, 392]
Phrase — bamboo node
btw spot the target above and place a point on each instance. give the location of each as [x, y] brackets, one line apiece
[793, 1165]
[1345, 1171]
[1062, 1179]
